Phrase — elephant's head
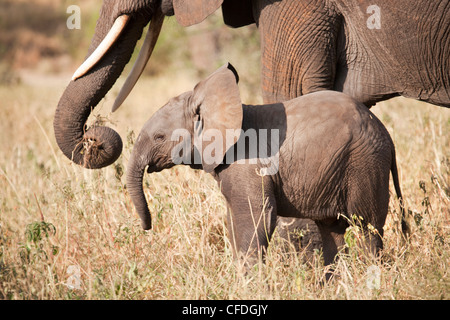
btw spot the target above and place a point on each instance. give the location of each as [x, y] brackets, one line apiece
[214, 106]
[119, 27]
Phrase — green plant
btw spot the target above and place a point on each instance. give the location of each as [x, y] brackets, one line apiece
[36, 244]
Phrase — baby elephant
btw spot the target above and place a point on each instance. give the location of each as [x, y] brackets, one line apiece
[322, 156]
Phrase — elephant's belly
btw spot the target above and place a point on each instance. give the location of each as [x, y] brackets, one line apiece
[311, 205]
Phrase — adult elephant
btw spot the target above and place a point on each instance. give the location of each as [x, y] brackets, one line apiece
[371, 50]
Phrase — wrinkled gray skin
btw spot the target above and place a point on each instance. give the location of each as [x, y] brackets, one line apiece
[306, 46]
[335, 158]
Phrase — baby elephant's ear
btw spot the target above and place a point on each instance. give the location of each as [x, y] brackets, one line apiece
[217, 102]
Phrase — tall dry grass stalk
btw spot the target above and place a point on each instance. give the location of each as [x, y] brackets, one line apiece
[70, 233]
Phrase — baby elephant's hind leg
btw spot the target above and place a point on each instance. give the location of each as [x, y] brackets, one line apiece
[366, 209]
[368, 205]
[332, 232]
[373, 240]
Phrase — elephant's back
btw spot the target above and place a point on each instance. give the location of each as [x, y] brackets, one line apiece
[323, 104]
[330, 113]
[324, 115]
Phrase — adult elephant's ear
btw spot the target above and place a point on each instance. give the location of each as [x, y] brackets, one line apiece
[217, 107]
[190, 12]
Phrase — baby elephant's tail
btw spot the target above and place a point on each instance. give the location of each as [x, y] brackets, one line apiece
[398, 191]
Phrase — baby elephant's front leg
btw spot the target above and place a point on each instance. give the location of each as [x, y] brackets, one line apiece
[251, 223]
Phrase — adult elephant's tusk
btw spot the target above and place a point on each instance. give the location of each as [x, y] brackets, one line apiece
[103, 47]
[141, 61]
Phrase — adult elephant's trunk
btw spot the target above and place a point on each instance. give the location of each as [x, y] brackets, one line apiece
[111, 49]
[135, 175]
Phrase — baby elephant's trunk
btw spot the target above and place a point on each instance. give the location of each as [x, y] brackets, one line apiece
[135, 175]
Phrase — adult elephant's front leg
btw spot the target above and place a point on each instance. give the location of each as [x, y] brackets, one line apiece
[298, 47]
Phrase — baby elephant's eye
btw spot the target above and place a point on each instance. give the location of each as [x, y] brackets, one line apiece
[159, 136]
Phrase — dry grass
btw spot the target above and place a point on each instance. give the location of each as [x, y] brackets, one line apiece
[57, 219]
